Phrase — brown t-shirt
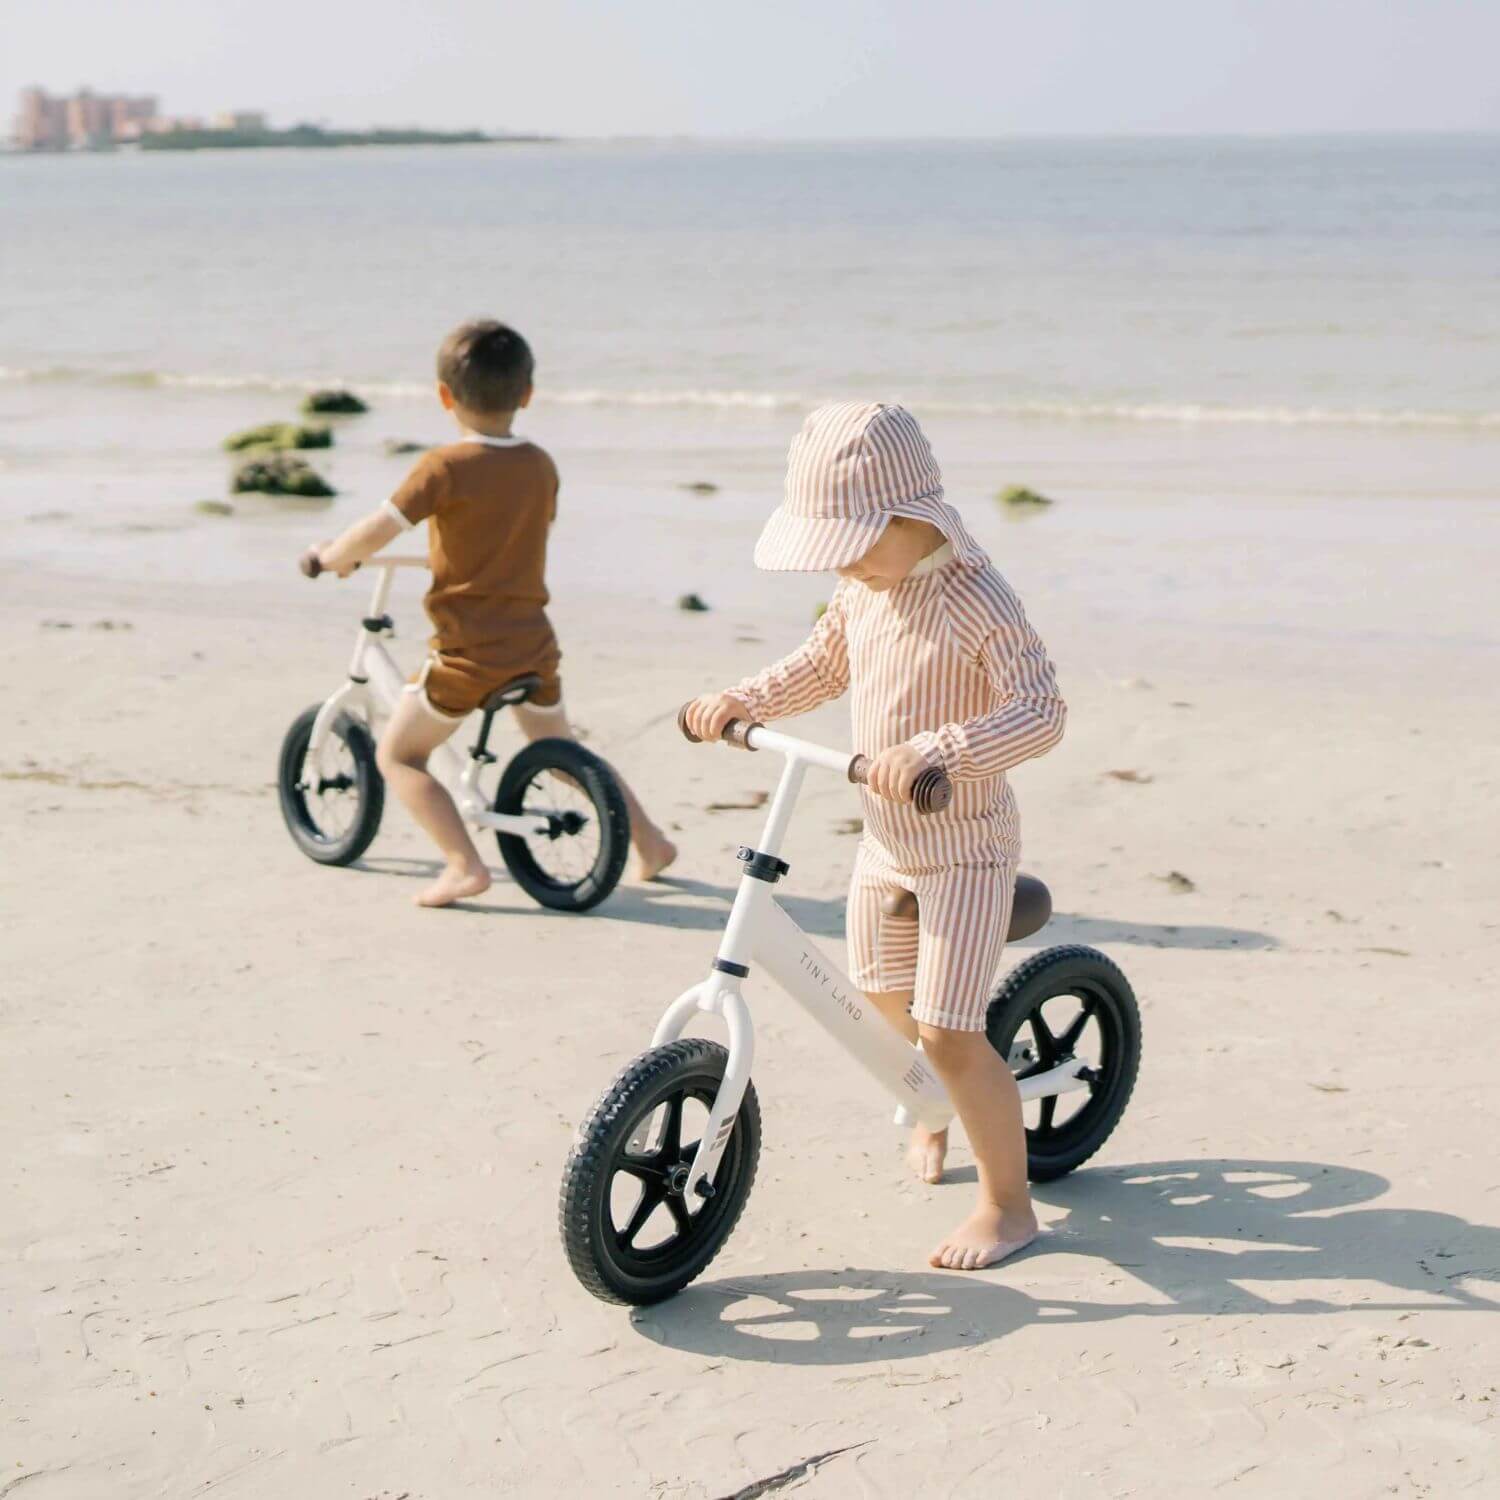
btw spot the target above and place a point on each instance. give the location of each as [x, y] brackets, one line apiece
[490, 505]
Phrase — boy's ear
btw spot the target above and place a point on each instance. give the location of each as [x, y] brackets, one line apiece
[446, 396]
[526, 399]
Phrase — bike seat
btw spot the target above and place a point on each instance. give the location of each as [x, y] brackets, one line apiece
[1031, 907]
[518, 690]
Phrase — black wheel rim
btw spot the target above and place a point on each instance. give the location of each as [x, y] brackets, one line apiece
[649, 1227]
[329, 794]
[568, 855]
[1080, 1020]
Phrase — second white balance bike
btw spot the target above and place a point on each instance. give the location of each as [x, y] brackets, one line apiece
[558, 813]
[662, 1166]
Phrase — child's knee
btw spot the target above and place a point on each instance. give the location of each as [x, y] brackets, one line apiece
[951, 1050]
[391, 754]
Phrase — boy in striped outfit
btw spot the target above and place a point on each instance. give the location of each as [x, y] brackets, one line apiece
[944, 670]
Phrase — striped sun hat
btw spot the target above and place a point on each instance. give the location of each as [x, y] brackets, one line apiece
[853, 466]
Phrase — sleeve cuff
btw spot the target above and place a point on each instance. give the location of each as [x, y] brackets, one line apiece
[394, 511]
[749, 697]
[929, 747]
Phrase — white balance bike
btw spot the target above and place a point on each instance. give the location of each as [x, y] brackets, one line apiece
[558, 813]
[661, 1167]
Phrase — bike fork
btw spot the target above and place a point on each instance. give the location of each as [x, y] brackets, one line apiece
[717, 995]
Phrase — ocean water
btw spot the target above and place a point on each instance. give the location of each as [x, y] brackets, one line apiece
[1311, 282]
[1262, 379]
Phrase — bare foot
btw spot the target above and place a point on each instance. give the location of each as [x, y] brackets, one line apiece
[456, 883]
[985, 1238]
[653, 855]
[927, 1152]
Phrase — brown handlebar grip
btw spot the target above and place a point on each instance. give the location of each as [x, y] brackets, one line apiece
[931, 793]
[308, 563]
[737, 733]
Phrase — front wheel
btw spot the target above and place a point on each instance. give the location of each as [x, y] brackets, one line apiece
[578, 861]
[333, 807]
[1066, 1003]
[629, 1232]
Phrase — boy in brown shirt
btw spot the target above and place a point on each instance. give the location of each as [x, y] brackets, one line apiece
[489, 500]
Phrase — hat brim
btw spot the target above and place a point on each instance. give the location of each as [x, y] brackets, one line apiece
[816, 544]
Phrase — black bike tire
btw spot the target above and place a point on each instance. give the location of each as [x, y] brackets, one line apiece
[603, 789]
[583, 1207]
[1047, 975]
[361, 832]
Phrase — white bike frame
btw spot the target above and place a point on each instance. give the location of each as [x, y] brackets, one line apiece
[760, 932]
[374, 688]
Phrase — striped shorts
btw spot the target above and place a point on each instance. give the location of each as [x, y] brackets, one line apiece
[947, 955]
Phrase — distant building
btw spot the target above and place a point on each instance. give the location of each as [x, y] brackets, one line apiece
[42, 124]
[130, 118]
[242, 121]
[86, 119]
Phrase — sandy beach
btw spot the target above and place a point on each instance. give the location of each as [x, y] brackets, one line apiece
[283, 1151]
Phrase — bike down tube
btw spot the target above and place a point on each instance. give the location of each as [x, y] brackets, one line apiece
[720, 993]
[838, 1005]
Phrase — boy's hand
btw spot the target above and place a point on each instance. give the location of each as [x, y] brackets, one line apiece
[707, 716]
[893, 773]
[315, 561]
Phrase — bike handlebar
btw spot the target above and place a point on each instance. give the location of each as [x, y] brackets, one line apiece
[310, 565]
[931, 792]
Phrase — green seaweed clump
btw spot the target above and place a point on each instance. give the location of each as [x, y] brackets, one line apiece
[281, 474]
[1018, 497]
[335, 402]
[395, 447]
[213, 507]
[280, 435]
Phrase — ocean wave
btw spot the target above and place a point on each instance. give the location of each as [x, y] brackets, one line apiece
[1161, 412]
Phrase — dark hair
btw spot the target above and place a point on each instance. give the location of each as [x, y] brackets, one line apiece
[486, 365]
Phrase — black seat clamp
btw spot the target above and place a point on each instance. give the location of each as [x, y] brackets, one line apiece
[377, 623]
[761, 866]
[740, 971]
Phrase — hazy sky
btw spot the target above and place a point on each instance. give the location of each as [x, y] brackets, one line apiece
[797, 68]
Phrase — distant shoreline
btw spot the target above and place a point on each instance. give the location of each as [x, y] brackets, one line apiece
[305, 137]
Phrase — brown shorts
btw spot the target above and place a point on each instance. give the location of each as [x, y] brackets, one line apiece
[455, 687]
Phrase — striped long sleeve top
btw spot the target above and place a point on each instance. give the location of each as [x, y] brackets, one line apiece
[945, 661]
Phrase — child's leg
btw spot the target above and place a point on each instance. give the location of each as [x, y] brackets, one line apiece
[927, 1150]
[965, 912]
[654, 851]
[414, 732]
[984, 1093]
[883, 960]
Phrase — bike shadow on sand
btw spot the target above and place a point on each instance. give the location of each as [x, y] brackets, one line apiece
[1208, 1238]
[700, 906]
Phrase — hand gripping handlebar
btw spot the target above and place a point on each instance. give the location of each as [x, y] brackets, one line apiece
[931, 793]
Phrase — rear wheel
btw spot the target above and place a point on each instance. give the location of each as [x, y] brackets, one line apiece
[578, 861]
[630, 1233]
[332, 808]
[1060, 1004]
